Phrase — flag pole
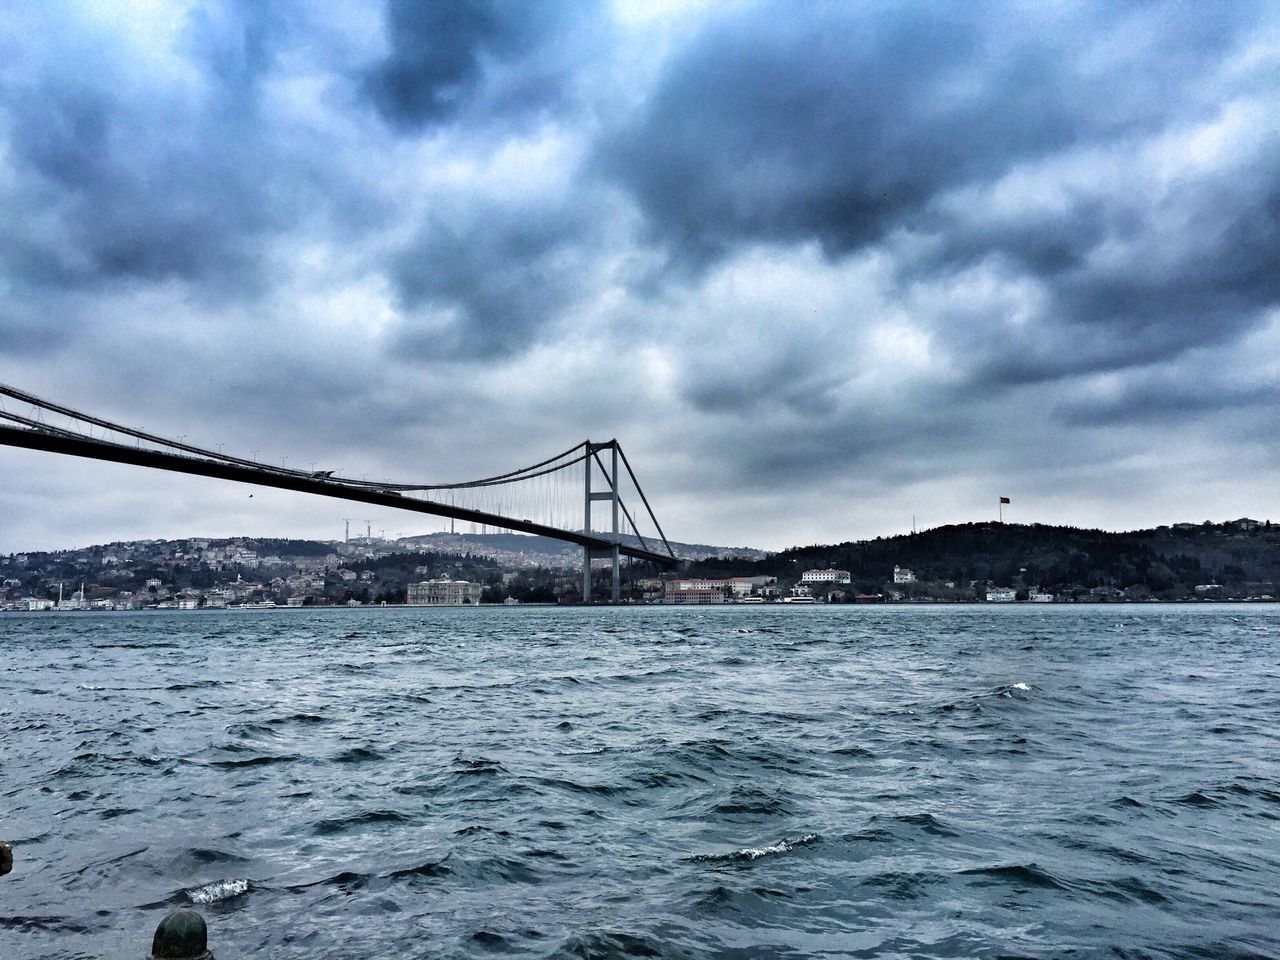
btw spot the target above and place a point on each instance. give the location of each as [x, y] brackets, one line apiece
[1000, 507]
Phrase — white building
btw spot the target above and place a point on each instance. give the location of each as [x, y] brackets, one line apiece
[825, 576]
[1001, 594]
[443, 592]
[745, 586]
[903, 575]
[693, 583]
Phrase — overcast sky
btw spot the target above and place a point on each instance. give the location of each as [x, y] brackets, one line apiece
[820, 266]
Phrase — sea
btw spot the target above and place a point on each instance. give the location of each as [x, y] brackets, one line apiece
[723, 782]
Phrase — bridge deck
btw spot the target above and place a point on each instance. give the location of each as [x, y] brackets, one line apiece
[33, 439]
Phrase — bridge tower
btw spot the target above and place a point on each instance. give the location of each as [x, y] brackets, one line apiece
[611, 553]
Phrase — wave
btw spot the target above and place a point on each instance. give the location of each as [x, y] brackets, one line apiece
[925, 822]
[344, 824]
[218, 891]
[357, 755]
[747, 854]
[607, 946]
[430, 870]
[194, 685]
[46, 924]
[1017, 875]
[751, 801]
[260, 761]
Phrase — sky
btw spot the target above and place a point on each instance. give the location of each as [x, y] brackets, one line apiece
[823, 268]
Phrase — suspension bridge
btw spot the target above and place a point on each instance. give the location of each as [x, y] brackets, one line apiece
[552, 498]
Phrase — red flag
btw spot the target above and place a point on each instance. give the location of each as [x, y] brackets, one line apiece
[1004, 500]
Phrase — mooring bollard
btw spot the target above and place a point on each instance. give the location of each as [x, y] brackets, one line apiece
[6, 858]
[182, 935]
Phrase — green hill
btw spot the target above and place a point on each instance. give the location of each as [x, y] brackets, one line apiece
[1167, 562]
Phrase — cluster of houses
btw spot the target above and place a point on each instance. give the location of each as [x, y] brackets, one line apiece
[760, 589]
[155, 596]
[818, 585]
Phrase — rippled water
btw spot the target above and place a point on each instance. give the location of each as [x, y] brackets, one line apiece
[735, 782]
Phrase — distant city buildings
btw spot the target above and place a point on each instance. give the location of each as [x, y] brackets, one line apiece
[1226, 561]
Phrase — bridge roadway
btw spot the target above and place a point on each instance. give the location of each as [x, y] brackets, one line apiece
[34, 439]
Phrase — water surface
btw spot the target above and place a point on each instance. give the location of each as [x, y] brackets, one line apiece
[741, 782]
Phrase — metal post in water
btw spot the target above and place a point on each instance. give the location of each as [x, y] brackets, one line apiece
[181, 935]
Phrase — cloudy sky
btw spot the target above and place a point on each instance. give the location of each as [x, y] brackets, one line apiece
[820, 266]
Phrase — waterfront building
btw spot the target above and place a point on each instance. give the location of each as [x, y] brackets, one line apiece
[1001, 594]
[691, 595]
[825, 576]
[443, 592]
[676, 587]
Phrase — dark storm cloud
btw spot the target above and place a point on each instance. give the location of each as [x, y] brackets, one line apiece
[491, 279]
[1126, 280]
[790, 246]
[484, 278]
[839, 123]
[179, 216]
[136, 171]
[1169, 397]
[445, 54]
[858, 126]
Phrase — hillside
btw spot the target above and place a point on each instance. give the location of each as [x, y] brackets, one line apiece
[1167, 562]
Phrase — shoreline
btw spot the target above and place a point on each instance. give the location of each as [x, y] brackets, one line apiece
[1015, 604]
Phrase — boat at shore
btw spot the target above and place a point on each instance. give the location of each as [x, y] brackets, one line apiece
[258, 605]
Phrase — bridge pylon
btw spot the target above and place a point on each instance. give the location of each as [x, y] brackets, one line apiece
[611, 495]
